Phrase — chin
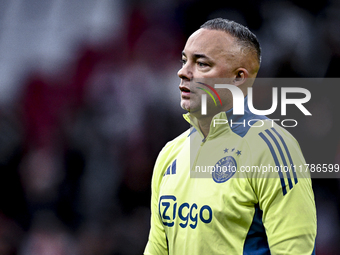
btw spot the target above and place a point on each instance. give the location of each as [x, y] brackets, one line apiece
[185, 105]
[190, 108]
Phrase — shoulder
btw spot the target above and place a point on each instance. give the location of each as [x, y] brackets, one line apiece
[278, 155]
[263, 130]
[270, 143]
[167, 155]
[177, 142]
[172, 148]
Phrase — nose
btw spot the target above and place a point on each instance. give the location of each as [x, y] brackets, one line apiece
[185, 73]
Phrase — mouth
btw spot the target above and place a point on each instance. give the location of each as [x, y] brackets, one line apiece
[185, 91]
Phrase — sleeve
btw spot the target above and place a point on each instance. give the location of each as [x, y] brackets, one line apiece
[285, 196]
[157, 242]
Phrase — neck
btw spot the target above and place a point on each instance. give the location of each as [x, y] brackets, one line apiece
[204, 125]
[204, 121]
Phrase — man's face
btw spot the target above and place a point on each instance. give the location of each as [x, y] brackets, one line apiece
[208, 54]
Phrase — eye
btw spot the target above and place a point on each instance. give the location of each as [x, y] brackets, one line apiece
[183, 61]
[202, 64]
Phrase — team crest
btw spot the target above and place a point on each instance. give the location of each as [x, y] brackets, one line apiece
[225, 168]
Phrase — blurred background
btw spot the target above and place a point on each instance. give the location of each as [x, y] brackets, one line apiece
[89, 96]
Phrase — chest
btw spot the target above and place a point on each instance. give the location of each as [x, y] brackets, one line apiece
[202, 186]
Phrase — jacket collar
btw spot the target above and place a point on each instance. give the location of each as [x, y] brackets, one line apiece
[221, 122]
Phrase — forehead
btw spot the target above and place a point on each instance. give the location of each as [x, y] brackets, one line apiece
[213, 43]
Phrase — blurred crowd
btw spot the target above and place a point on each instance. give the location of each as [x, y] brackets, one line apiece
[89, 96]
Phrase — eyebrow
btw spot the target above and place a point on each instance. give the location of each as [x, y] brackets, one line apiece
[197, 55]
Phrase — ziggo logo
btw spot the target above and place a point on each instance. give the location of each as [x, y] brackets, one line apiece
[168, 211]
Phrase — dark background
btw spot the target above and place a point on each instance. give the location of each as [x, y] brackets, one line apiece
[89, 95]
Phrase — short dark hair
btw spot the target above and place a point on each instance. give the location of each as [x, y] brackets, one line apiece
[244, 37]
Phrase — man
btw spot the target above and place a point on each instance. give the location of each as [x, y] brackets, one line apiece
[225, 209]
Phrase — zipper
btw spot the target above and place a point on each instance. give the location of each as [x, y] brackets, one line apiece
[198, 153]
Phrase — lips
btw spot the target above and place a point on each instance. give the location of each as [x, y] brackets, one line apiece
[185, 91]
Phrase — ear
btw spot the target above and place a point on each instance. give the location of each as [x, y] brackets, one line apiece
[241, 76]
